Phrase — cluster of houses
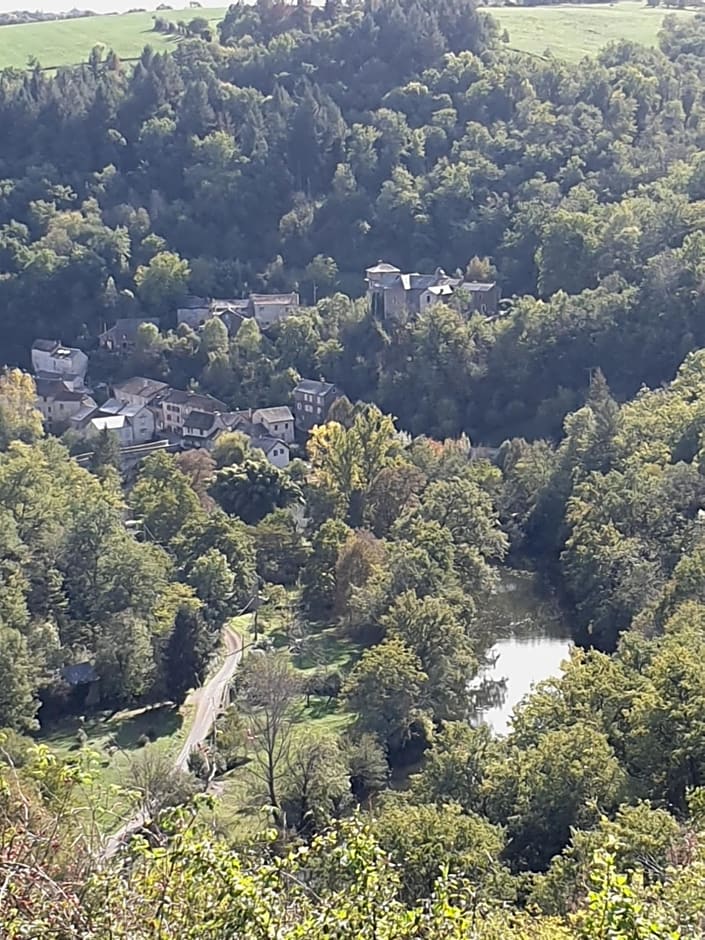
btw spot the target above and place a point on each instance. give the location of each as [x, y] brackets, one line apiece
[140, 409]
[265, 309]
[399, 297]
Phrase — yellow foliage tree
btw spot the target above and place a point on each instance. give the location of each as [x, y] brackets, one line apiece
[19, 419]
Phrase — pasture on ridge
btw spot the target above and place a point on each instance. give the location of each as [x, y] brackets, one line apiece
[69, 42]
[571, 31]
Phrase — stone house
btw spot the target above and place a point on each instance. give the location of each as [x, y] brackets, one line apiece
[114, 424]
[268, 309]
[51, 358]
[121, 338]
[398, 297]
[195, 312]
[276, 451]
[58, 402]
[278, 422]
[176, 406]
[201, 427]
[262, 433]
[312, 402]
[140, 418]
[139, 391]
[484, 297]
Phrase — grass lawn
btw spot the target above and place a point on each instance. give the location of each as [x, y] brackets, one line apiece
[573, 31]
[116, 739]
[570, 32]
[237, 813]
[68, 42]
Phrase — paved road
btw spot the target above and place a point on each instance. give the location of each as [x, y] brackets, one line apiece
[209, 700]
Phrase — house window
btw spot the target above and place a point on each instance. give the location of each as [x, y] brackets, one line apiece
[319, 411]
[309, 408]
[483, 308]
[298, 406]
[276, 427]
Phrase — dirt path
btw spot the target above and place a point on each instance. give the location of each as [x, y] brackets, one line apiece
[208, 700]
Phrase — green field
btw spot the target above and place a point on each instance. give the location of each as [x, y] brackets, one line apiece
[571, 32]
[67, 42]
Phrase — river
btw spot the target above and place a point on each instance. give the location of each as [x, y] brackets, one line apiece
[531, 639]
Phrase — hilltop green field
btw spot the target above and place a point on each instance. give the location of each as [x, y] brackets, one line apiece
[569, 32]
[68, 42]
[573, 31]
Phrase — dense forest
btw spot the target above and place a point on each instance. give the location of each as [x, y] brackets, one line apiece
[292, 151]
[272, 158]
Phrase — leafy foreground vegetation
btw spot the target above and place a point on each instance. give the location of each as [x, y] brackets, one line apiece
[69, 42]
[341, 885]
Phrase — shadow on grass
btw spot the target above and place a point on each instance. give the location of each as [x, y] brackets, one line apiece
[127, 730]
[159, 722]
[319, 708]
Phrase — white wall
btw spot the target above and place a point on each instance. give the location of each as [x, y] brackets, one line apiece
[279, 456]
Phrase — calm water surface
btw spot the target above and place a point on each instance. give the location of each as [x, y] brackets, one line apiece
[531, 640]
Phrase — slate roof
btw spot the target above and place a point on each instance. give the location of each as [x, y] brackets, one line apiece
[178, 396]
[57, 390]
[112, 407]
[312, 387]
[383, 268]
[281, 413]
[479, 287]
[45, 345]
[127, 328]
[267, 444]
[418, 281]
[80, 674]
[292, 298]
[138, 385]
[200, 421]
[84, 413]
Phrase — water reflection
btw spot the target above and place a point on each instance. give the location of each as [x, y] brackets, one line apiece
[531, 639]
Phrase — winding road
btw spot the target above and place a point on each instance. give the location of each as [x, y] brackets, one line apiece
[209, 700]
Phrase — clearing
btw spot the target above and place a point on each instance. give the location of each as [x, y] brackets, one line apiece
[573, 31]
[568, 31]
[238, 812]
[68, 42]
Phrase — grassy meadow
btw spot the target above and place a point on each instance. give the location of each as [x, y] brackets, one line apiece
[68, 42]
[568, 31]
[573, 31]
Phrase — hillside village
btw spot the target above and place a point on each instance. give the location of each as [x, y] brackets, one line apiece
[139, 410]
